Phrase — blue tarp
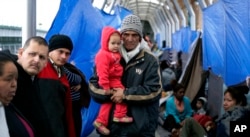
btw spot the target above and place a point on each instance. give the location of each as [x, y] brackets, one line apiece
[226, 40]
[183, 39]
[83, 24]
[111, 20]
[115, 19]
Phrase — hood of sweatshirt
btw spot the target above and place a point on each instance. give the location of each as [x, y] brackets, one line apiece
[106, 33]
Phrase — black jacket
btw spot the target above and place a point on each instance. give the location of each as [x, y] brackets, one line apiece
[15, 125]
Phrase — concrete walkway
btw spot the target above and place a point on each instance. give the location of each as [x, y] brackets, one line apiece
[159, 133]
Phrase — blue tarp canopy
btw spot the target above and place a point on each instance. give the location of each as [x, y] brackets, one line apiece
[183, 39]
[226, 40]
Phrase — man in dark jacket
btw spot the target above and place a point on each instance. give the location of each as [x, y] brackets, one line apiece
[142, 81]
[31, 59]
[54, 91]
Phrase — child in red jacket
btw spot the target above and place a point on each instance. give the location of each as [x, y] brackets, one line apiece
[109, 71]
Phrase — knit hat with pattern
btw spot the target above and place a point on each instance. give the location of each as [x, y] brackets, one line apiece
[132, 22]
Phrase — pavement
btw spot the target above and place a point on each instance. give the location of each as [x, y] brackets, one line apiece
[160, 132]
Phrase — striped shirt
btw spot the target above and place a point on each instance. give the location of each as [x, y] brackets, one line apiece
[74, 80]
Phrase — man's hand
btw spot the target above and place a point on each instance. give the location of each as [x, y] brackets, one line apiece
[117, 95]
[76, 88]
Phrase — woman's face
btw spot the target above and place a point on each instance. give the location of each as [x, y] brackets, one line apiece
[8, 83]
[180, 94]
[229, 102]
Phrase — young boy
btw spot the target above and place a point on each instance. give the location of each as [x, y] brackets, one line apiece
[109, 71]
[200, 106]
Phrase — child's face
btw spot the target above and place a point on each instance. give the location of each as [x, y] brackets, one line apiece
[114, 42]
[198, 104]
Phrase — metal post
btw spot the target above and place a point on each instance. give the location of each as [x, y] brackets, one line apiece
[181, 14]
[164, 20]
[170, 19]
[192, 15]
[160, 23]
[29, 24]
[153, 25]
[168, 31]
[173, 13]
[202, 4]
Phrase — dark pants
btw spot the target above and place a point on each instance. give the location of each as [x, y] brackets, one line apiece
[76, 107]
[192, 128]
[170, 123]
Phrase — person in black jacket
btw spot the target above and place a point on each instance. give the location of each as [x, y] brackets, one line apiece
[13, 123]
[54, 91]
[142, 81]
[30, 60]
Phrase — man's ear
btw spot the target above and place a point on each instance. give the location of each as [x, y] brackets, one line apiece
[20, 52]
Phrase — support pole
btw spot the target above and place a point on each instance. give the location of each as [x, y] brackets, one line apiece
[202, 4]
[192, 15]
[176, 19]
[29, 23]
[180, 12]
[168, 31]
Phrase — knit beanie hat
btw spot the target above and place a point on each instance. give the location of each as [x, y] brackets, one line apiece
[132, 22]
[60, 41]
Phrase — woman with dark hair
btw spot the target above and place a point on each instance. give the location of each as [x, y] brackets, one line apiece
[178, 108]
[235, 108]
[12, 122]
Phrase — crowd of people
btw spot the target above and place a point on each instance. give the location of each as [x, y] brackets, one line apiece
[43, 104]
[41, 93]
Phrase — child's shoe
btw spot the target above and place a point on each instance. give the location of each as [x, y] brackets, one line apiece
[125, 119]
[101, 128]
